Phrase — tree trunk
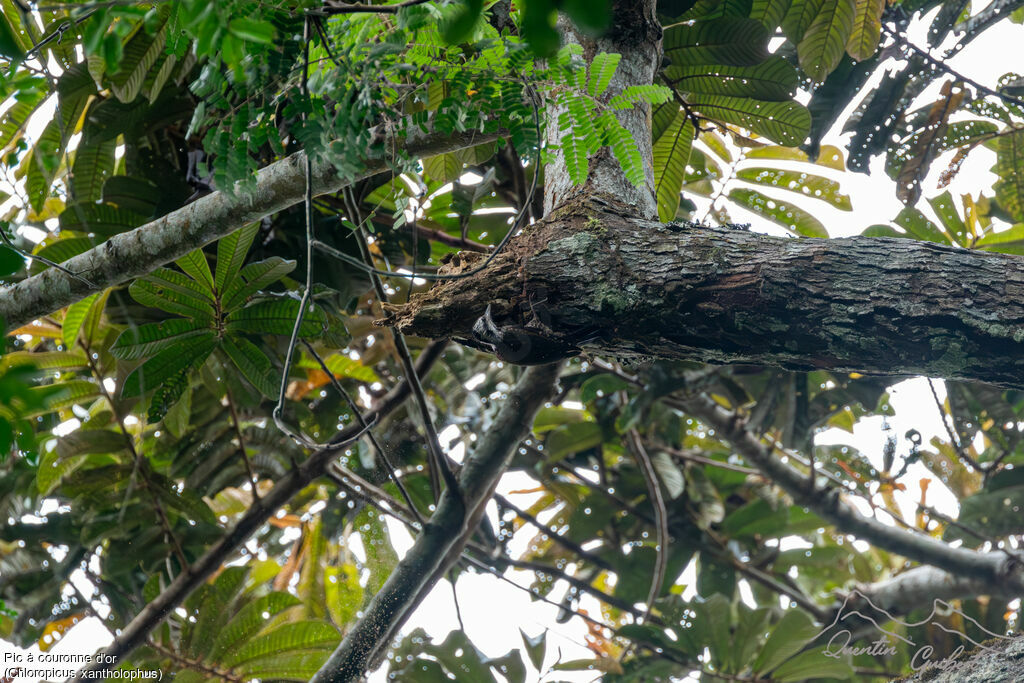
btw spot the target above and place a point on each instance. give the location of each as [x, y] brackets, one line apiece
[594, 275]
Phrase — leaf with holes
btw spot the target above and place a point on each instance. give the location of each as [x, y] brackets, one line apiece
[792, 218]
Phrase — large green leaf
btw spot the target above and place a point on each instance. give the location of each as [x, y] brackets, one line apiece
[671, 154]
[799, 17]
[812, 186]
[94, 163]
[101, 219]
[174, 292]
[919, 227]
[145, 340]
[253, 364]
[231, 252]
[254, 278]
[731, 41]
[1006, 242]
[824, 42]
[769, 12]
[867, 29]
[791, 217]
[787, 123]
[141, 51]
[276, 316]
[302, 635]
[168, 364]
[772, 80]
[1010, 169]
[794, 629]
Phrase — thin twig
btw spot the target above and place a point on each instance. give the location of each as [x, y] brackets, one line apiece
[392, 473]
[954, 439]
[901, 39]
[440, 469]
[660, 517]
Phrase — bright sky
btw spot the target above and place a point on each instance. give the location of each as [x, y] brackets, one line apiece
[494, 612]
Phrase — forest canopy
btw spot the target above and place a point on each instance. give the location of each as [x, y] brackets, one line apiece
[285, 284]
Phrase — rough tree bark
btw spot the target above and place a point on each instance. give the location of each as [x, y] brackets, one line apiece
[635, 288]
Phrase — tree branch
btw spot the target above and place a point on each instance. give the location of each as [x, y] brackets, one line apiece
[136, 253]
[1001, 572]
[136, 632]
[628, 288]
[417, 571]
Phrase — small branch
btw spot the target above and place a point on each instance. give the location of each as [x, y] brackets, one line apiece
[440, 468]
[418, 570]
[241, 443]
[567, 543]
[999, 571]
[331, 7]
[901, 38]
[194, 664]
[953, 438]
[660, 517]
[136, 632]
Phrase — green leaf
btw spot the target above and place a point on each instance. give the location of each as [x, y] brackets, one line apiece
[10, 47]
[136, 195]
[253, 364]
[94, 163]
[919, 227]
[571, 438]
[813, 186]
[197, 267]
[255, 277]
[231, 252]
[140, 53]
[101, 219]
[791, 217]
[276, 316]
[867, 29]
[623, 147]
[1010, 169]
[10, 261]
[145, 340]
[294, 666]
[799, 17]
[671, 154]
[731, 41]
[772, 80]
[174, 292]
[44, 360]
[824, 43]
[342, 592]
[250, 620]
[602, 68]
[813, 664]
[1006, 242]
[945, 208]
[787, 123]
[167, 364]
[75, 318]
[254, 31]
[794, 629]
[535, 647]
[769, 12]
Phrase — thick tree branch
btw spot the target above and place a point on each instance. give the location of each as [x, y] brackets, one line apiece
[136, 632]
[135, 253]
[420, 567]
[627, 287]
[1002, 572]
